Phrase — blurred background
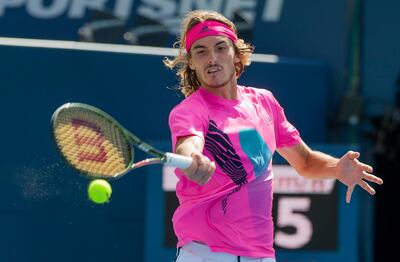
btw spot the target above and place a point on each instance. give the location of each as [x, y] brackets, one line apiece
[334, 65]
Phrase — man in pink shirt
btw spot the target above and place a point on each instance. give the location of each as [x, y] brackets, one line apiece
[231, 132]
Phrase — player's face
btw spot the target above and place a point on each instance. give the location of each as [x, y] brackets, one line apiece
[213, 58]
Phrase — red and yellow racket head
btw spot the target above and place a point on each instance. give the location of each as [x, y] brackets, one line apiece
[91, 141]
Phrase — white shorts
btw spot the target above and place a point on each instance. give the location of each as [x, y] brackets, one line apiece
[196, 252]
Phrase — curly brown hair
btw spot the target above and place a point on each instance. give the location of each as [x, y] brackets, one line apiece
[188, 79]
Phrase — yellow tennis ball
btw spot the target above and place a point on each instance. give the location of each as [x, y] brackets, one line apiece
[99, 191]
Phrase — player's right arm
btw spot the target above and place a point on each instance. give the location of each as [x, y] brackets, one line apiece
[202, 168]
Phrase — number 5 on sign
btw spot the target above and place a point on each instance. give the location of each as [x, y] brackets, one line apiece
[298, 205]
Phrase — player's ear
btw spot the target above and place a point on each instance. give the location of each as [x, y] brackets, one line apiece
[237, 58]
[190, 63]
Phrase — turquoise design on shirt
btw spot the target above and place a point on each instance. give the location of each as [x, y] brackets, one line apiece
[256, 150]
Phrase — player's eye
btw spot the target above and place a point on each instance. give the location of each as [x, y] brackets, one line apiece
[200, 52]
[221, 47]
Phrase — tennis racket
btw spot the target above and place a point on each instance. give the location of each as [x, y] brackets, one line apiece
[96, 145]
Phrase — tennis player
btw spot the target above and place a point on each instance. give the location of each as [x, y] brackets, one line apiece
[232, 131]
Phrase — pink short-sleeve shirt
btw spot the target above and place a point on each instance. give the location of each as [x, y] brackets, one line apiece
[232, 212]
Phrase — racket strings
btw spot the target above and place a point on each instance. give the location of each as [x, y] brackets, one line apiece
[92, 143]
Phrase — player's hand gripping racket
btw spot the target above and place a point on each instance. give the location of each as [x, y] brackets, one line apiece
[98, 146]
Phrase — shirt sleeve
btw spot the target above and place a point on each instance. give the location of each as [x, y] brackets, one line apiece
[185, 120]
[286, 134]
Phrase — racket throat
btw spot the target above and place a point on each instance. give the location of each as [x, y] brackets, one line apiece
[146, 162]
[149, 149]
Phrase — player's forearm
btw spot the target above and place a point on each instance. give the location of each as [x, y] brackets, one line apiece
[186, 149]
[319, 166]
[201, 168]
[188, 145]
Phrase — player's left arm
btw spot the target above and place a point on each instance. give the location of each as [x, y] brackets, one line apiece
[317, 165]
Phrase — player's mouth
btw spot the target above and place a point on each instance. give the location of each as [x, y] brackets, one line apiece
[213, 69]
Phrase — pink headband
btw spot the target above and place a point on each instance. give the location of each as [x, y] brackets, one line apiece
[208, 28]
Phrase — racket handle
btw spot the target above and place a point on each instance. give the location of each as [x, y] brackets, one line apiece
[178, 160]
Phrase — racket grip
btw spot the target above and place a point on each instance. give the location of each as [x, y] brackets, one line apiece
[178, 160]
